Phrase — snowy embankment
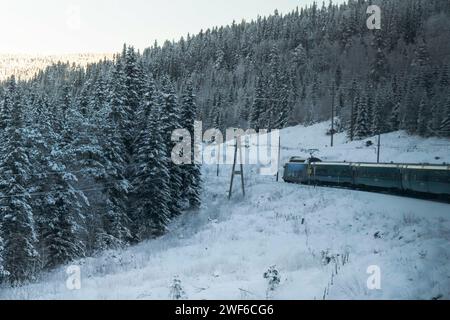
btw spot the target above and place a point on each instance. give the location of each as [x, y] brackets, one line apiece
[320, 239]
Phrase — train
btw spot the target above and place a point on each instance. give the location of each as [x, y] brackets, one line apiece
[419, 180]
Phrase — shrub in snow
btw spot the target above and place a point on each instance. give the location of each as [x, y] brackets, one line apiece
[326, 257]
[273, 279]
[176, 290]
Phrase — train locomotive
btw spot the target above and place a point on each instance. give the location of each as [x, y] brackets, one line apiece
[421, 180]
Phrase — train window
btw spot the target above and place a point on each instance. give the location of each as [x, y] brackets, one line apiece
[439, 176]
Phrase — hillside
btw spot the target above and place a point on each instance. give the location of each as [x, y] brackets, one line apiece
[223, 251]
[25, 66]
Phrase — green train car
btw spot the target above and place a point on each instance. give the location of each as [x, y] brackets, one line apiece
[414, 179]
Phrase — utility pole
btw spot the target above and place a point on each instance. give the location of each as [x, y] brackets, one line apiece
[378, 149]
[218, 159]
[279, 157]
[234, 172]
[332, 115]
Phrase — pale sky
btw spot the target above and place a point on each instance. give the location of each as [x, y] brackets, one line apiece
[76, 26]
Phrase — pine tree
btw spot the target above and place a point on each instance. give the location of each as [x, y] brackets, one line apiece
[445, 124]
[423, 119]
[120, 109]
[61, 222]
[409, 122]
[445, 78]
[258, 107]
[191, 172]
[377, 120]
[362, 125]
[379, 67]
[370, 109]
[244, 112]
[170, 120]
[115, 228]
[284, 106]
[17, 226]
[300, 56]
[3, 272]
[153, 181]
[216, 114]
[423, 69]
[135, 83]
[275, 113]
[354, 101]
[436, 116]
[395, 120]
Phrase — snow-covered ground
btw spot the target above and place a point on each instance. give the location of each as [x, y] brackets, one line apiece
[321, 240]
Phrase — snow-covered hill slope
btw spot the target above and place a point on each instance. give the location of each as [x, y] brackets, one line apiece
[396, 146]
[320, 239]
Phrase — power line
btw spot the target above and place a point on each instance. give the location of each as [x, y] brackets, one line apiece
[46, 193]
[63, 172]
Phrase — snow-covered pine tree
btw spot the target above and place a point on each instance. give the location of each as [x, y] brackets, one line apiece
[444, 81]
[394, 120]
[435, 116]
[259, 106]
[99, 95]
[370, 107]
[191, 172]
[154, 197]
[149, 96]
[17, 225]
[379, 68]
[445, 124]
[3, 272]
[216, 113]
[170, 121]
[422, 68]
[120, 110]
[284, 105]
[62, 220]
[362, 125]
[44, 141]
[134, 83]
[274, 113]
[377, 118]
[115, 225]
[354, 97]
[88, 160]
[409, 122]
[244, 112]
[300, 56]
[308, 119]
[423, 118]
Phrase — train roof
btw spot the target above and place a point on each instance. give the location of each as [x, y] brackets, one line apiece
[297, 159]
[417, 166]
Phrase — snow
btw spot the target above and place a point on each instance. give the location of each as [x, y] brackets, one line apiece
[223, 251]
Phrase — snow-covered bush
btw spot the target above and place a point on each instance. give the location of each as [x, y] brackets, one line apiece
[273, 279]
[176, 290]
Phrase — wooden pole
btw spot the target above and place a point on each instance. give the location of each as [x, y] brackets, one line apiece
[234, 172]
[332, 116]
[218, 160]
[242, 169]
[279, 157]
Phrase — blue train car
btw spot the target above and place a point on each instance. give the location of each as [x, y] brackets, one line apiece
[296, 171]
[424, 180]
